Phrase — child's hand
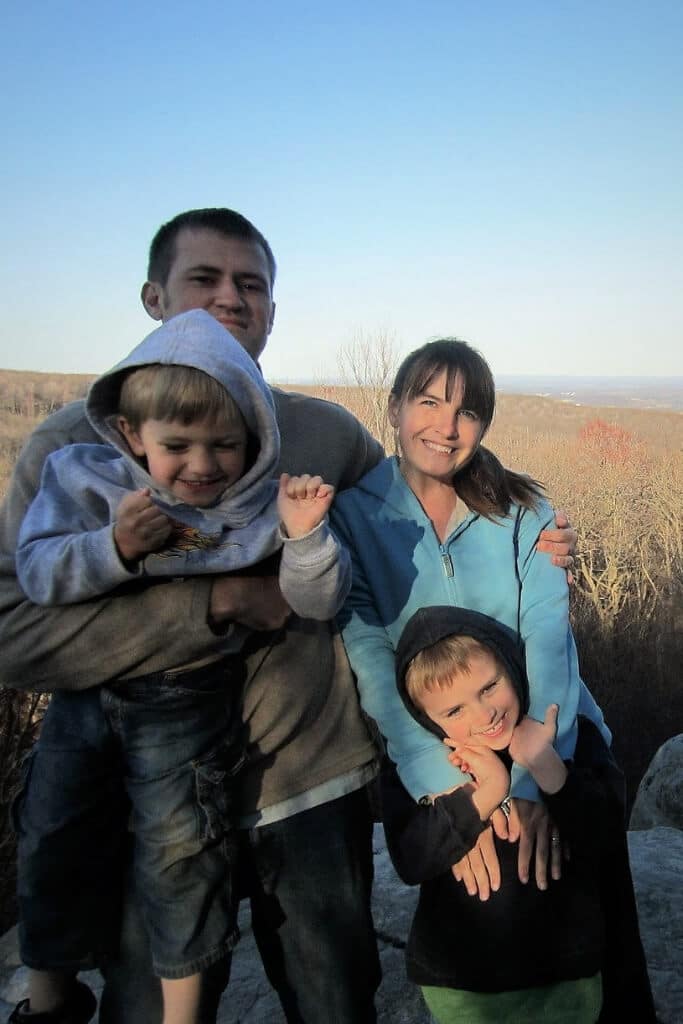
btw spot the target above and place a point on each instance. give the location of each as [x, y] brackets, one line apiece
[491, 777]
[531, 747]
[531, 739]
[302, 503]
[140, 527]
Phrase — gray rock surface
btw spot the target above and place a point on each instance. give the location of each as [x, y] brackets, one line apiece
[659, 800]
[250, 1000]
[657, 862]
[656, 857]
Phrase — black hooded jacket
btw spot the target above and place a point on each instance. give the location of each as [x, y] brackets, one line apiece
[521, 937]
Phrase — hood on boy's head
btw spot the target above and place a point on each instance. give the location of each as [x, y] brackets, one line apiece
[195, 339]
[430, 625]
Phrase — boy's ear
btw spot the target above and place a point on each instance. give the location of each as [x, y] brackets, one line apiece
[151, 295]
[132, 436]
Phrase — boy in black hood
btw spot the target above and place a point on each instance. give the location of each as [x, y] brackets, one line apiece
[572, 953]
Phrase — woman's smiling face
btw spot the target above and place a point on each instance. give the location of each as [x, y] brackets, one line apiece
[437, 435]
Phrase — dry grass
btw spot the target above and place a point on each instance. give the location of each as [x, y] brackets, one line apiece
[25, 400]
[623, 493]
[19, 720]
[619, 475]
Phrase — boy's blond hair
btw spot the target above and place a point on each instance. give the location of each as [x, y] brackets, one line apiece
[434, 667]
[168, 392]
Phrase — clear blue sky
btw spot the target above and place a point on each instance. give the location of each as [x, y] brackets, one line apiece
[507, 172]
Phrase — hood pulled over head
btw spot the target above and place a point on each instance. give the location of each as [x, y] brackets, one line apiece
[430, 625]
[196, 339]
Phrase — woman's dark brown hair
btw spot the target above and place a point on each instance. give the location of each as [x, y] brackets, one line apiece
[483, 484]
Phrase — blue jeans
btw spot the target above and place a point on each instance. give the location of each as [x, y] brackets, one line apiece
[170, 744]
[309, 879]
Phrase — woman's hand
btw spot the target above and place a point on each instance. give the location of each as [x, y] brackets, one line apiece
[479, 870]
[539, 837]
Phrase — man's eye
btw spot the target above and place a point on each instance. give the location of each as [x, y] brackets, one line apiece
[252, 286]
[202, 279]
[174, 449]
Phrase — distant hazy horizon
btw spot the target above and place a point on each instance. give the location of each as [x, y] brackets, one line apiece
[651, 392]
[621, 391]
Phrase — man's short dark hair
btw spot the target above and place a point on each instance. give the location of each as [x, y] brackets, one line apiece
[219, 219]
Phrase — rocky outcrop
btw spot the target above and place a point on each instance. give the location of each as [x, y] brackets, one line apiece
[250, 999]
[659, 800]
[657, 864]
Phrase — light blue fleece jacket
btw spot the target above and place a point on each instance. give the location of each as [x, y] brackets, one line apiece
[399, 566]
[66, 550]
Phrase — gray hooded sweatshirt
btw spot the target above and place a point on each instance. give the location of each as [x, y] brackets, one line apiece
[66, 550]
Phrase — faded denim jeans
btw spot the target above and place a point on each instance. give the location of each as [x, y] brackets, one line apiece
[309, 879]
[156, 755]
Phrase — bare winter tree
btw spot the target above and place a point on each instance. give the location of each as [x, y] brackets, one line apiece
[367, 365]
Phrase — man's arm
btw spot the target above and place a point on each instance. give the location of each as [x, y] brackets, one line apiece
[560, 543]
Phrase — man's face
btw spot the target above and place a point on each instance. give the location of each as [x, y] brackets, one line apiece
[228, 277]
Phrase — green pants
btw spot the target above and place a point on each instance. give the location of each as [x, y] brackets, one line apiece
[567, 1002]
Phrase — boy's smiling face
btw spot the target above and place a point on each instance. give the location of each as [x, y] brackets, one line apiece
[479, 707]
[196, 462]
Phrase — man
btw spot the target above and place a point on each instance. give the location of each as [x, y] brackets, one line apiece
[304, 807]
